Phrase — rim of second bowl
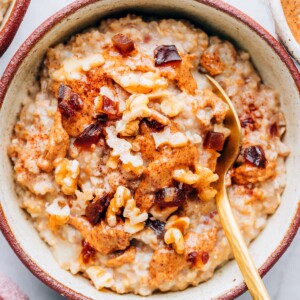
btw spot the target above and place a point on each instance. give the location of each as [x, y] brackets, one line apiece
[12, 23]
[283, 29]
[17, 60]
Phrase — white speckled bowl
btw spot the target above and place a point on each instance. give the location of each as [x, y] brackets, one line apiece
[283, 30]
[277, 70]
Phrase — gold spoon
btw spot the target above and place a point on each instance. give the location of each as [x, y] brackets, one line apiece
[239, 248]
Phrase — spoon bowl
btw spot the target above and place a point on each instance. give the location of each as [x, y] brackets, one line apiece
[233, 143]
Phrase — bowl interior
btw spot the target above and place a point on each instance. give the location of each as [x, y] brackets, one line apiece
[273, 71]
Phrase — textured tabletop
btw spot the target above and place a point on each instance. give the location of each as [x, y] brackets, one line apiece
[283, 279]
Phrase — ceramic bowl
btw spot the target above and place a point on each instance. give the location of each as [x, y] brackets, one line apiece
[276, 69]
[11, 23]
[283, 30]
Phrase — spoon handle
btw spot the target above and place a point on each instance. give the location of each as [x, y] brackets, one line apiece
[239, 248]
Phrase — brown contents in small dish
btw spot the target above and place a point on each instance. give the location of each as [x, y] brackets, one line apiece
[291, 10]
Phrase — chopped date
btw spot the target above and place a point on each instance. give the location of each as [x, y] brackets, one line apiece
[255, 155]
[172, 196]
[192, 257]
[204, 257]
[274, 129]
[64, 92]
[157, 226]
[166, 54]
[96, 210]
[247, 122]
[90, 135]
[87, 252]
[153, 124]
[123, 43]
[109, 106]
[68, 101]
[167, 197]
[75, 102]
[252, 107]
[102, 118]
[65, 110]
[214, 140]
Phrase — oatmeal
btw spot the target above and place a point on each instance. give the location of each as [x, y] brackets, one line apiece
[116, 146]
[4, 5]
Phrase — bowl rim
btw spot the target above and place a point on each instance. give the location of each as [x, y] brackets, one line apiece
[37, 35]
[12, 23]
[283, 29]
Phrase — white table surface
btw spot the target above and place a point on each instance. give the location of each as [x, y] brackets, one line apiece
[282, 281]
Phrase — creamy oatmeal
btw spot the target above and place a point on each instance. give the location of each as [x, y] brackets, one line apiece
[116, 146]
[4, 5]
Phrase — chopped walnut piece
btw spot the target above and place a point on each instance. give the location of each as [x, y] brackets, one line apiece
[171, 108]
[73, 68]
[102, 237]
[140, 82]
[117, 202]
[175, 229]
[181, 223]
[122, 150]
[200, 180]
[174, 237]
[66, 175]
[166, 137]
[134, 218]
[165, 266]
[137, 109]
[154, 125]
[59, 213]
[57, 146]
[119, 259]
[208, 107]
[162, 213]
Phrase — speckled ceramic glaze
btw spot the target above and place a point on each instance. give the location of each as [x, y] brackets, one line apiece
[276, 69]
[283, 30]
